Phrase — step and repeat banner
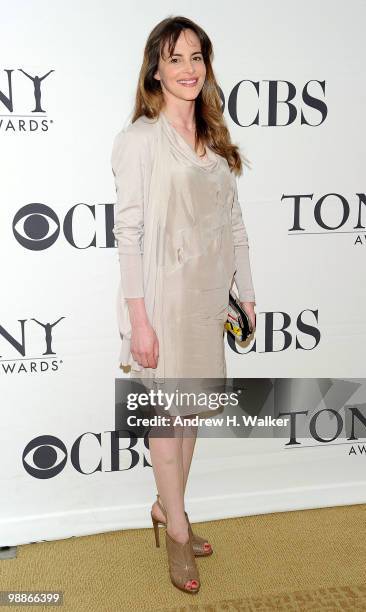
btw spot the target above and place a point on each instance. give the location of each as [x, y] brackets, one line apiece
[294, 90]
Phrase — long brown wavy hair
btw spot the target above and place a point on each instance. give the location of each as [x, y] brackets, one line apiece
[211, 128]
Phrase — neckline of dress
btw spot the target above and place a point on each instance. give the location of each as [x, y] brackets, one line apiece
[209, 162]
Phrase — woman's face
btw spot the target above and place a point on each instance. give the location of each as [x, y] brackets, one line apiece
[185, 64]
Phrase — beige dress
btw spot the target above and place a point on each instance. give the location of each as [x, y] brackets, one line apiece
[193, 282]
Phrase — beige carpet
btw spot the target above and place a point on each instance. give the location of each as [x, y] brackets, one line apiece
[301, 560]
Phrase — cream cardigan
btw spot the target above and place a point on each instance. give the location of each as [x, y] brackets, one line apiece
[139, 162]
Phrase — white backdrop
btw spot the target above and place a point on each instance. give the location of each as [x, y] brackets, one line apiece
[60, 262]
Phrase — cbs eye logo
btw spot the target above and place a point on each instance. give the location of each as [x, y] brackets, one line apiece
[44, 457]
[39, 227]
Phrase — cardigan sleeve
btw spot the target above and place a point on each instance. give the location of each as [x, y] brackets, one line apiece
[128, 165]
[243, 275]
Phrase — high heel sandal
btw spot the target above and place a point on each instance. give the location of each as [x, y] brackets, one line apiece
[201, 548]
[182, 564]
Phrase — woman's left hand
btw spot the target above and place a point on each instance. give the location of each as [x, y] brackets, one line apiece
[249, 309]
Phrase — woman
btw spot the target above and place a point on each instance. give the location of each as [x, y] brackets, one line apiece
[182, 242]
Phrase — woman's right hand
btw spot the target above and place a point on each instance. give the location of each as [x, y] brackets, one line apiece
[144, 345]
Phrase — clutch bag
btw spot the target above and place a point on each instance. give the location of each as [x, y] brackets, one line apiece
[237, 323]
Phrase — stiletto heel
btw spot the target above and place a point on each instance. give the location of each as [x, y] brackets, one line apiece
[156, 530]
[182, 564]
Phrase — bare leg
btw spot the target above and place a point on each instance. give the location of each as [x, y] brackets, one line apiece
[189, 442]
[167, 461]
[188, 436]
